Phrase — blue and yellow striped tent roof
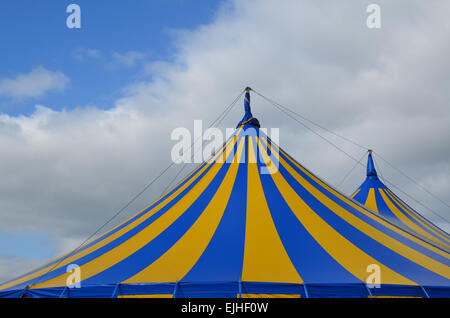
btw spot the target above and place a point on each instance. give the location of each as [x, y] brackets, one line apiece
[250, 221]
[376, 196]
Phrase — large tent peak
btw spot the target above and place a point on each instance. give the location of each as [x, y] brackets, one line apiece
[248, 118]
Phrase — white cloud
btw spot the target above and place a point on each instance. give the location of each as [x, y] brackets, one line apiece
[11, 267]
[65, 172]
[130, 58]
[82, 54]
[33, 84]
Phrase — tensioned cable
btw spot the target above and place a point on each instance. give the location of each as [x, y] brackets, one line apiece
[307, 127]
[215, 123]
[311, 122]
[378, 169]
[135, 197]
[409, 196]
[287, 111]
[351, 170]
[412, 180]
[356, 144]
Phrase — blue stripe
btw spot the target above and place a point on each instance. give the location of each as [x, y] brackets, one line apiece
[207, 290]
[395, 290]
[384, 210]
[437, 291]
[361, 195]
[272, 288]
[223, 257]
[337, 290]
[311, 261]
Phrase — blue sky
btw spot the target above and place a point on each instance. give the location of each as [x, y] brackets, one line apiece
[34, 34]
[26, 245]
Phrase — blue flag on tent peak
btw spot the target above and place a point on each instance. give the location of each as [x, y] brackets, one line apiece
[248, 118]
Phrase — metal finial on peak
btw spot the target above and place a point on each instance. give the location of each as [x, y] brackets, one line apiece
[248, 117]
[371, 172]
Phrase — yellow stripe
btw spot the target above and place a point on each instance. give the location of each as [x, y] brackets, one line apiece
[407, 221]
[404, 210]
[371, 201]
[265, 258]
[180, 258]
[246, 121]
[366, 212]
[356, 192]
[142, 238]
[375, 234]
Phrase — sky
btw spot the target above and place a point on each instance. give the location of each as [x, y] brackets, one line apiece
[115, 38]
[86, 114]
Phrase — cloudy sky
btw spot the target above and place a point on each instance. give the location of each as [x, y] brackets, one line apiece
[86, 115]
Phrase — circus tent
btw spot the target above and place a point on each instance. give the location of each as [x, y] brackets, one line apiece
[375, 195]
[250, 221]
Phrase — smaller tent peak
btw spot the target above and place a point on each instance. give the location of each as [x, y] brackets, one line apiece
[371, 172]
[248, 118]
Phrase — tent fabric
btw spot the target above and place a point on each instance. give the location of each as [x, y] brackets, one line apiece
[376, 196]
[248, 117]
[250, 221]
